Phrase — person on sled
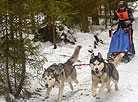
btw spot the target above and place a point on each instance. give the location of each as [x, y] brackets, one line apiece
[124, 18]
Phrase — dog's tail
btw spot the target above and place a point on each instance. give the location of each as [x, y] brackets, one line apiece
[74, 57]
[117, 60]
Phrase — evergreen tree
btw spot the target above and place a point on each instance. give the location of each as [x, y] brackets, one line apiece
[18, 19]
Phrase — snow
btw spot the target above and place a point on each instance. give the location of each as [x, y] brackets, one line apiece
[128, 84]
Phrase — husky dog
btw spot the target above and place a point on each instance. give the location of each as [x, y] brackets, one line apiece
[104, 72]
[57, 75]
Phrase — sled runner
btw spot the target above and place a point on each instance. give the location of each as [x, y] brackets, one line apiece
[120, 43]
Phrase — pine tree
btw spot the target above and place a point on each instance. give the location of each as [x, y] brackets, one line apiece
[18, 20]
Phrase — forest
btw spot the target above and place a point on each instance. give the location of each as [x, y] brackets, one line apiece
[25, 22]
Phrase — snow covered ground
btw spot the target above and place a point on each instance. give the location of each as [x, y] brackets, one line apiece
[128, 84]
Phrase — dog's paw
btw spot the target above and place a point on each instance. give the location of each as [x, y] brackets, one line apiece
[109, 91]
[76, 81]
[94, 94]
[46, 97]
[116, 88]
[97, 97]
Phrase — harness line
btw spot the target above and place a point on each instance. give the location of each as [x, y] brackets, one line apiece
[71, 66]
[75, 65]
[81, 64]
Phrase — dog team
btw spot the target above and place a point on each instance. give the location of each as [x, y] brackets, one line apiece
[101, 72]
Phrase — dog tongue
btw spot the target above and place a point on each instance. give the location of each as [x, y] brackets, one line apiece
[97, 71]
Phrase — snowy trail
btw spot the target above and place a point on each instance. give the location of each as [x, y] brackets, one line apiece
[128, 91]
[128, 84]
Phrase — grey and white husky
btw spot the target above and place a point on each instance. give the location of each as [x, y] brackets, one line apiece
[57, 75]
[104, 72]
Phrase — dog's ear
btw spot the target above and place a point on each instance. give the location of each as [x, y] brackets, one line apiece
[56, 72]
[43, 75]
[44, 72]
[99, 55]
[92, 56]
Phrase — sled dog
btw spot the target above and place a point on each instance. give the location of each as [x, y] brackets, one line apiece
[57, 75]
[104, 72]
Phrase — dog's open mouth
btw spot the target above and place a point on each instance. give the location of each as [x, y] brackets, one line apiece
[46, 85]
[97, 71]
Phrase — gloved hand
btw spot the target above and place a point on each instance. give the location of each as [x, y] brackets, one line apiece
[115, 22]
[127, 22]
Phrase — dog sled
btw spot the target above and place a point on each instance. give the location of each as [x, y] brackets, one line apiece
[120, 43]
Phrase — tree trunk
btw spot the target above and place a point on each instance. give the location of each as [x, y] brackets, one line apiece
[105, 14]
[53, 29]
[110, 10]
[95, 19]
[8, 88]
[22, 50]
[85, 26]
[7, 59]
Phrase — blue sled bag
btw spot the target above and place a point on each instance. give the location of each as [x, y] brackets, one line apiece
[120, 42]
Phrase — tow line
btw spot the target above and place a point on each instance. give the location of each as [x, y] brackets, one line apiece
[83, 64]
[76, 65]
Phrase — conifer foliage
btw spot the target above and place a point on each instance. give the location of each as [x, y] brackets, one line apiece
[18, 19]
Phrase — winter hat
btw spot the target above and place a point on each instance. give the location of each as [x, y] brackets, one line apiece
[122, 4]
